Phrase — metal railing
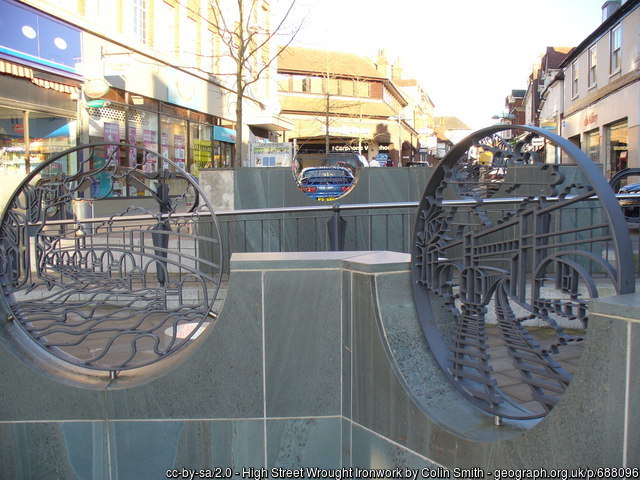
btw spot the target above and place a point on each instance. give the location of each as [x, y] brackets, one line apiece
[380, 226]
[375, 226]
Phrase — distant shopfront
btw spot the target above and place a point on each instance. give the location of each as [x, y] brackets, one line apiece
[608, 131]
[190, 139]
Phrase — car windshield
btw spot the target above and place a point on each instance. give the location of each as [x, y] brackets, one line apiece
[329, 174]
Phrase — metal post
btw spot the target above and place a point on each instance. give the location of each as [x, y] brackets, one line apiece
[336, 228]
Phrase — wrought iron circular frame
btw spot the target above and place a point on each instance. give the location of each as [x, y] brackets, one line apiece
[460, 265]
[93, 276]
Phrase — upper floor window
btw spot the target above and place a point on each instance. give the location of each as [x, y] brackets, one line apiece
[165, 28]
[284, 82]
[362, 89]
[139, 20]
[616, 46]
[188, 42]
[593, 62]
[574, 79]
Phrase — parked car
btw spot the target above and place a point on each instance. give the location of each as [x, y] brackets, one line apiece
[326, 183]
[619, 184]
[631, 206]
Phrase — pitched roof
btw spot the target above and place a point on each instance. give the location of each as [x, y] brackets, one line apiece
[452, 123]
[309, 60]
[554, 56]
[409, 82]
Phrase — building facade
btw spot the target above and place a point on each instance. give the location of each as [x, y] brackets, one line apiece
[340, 102]
[601, 90]
[152, 73]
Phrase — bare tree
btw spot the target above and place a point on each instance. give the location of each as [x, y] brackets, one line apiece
[248, 44]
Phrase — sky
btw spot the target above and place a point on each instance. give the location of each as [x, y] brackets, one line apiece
[467, 54]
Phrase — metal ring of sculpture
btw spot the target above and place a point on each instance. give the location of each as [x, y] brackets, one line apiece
[507, 252]
[114, 293]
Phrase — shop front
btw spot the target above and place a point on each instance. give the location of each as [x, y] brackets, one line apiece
[190, 139]
[607, 130]
[39, 89]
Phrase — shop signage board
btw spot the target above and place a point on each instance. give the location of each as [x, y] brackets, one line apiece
[223, 134]
[39, 39]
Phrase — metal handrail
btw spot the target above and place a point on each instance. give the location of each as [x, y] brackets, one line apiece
[337, 207]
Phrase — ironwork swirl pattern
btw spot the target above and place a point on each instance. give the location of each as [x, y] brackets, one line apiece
[508, 251]
[117, 290]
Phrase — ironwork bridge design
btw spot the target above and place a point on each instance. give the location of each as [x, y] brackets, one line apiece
[507, 254]
[109, 292]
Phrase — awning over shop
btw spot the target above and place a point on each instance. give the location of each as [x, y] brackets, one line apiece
[16, 70]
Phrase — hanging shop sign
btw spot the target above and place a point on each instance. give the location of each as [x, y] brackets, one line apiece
[96, 88]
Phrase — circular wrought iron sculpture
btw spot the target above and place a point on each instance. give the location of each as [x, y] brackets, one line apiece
[109, 291]
[507, 252]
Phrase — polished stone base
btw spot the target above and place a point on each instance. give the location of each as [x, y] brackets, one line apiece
[317, 360]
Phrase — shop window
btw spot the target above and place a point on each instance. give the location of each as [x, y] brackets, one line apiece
[200, 148]
[592, 145]
[227, 153]
[24, 146]
[617, 138]
[217, 155]
[12, 143]
[142, 130]
[173, 139]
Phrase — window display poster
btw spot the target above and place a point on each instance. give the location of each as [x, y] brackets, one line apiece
[149, 140]
[165, 145]
[179, 150]
[133, 141]
[111, 135]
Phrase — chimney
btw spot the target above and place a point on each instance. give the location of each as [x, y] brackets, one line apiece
[383, 64]
[609, 7]
[396, 70]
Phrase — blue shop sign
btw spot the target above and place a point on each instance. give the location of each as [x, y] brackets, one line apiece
[224, 134]
[38, 39]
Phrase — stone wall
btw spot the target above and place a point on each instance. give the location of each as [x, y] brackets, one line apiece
[317, 360]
